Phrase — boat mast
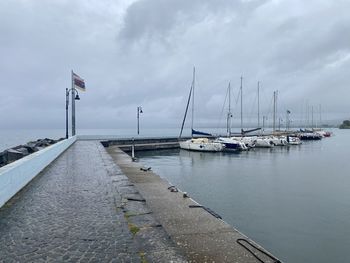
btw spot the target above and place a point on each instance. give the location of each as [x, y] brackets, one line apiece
[276, 103]
[312, 117]
[307, 115]
[193, 82]
[258, 104]
[316, 121]
[274, 111]
[184, 119]
[320, 116]
[241, 103]
[229, 115]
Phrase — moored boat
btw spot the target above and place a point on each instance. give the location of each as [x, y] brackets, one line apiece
[231, 144]
[309, 136]
[249, 142]
[293, 140]
[201, 144]
[278, 140]
[262, 142]
[323, 133]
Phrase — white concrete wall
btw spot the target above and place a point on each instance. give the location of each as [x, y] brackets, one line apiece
[16, 175]
[99, 137]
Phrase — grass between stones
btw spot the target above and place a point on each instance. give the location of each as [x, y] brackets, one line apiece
[143, 257]
[133, 229]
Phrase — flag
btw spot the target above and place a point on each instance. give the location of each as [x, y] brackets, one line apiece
[79, 83]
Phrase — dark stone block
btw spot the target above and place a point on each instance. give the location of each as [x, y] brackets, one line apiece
[22, 150]
[13, 155]
[48, 141]
[3, 159]
[30, 148]
[40, 143]
[31, 144]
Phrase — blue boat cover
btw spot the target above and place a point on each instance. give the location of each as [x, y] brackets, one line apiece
[194, 132]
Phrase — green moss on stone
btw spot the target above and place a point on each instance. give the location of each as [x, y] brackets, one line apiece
[133, 229]
[128, 214]
[143, 257]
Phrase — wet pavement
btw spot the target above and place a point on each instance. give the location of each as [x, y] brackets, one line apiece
[82, 208]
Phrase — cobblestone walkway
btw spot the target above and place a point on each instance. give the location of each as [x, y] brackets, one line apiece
[80, 209]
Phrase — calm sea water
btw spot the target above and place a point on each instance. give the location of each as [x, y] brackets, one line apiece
[295, 201]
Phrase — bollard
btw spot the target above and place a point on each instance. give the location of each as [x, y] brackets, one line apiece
[133, 149]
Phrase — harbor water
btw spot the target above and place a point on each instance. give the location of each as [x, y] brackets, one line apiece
[294, 200]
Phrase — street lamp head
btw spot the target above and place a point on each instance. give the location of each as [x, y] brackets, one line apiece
[140, 108]
[77, 97]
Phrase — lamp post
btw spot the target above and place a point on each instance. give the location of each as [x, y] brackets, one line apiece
[139, 110]
[76, 97]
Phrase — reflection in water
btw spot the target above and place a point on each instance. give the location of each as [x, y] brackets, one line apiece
[293, 200]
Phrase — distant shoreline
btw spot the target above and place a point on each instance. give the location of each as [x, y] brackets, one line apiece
[345, 125]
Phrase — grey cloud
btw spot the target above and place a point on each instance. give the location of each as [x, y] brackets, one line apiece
[142, 52]
[155, 19]
[311, 48]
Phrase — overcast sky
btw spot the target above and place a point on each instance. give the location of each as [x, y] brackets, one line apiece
[141, 53]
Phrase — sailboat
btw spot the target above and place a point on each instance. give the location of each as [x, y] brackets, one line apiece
[230, 144]
[202, 144]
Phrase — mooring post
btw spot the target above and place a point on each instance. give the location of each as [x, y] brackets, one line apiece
[133, 149]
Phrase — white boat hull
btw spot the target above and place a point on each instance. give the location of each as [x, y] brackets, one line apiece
[278, 141]
[201, 145]
[294, 141]
[263, 143]
[249, 142]
[231, 144]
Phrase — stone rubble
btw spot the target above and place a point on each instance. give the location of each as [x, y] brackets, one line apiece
[20, 151]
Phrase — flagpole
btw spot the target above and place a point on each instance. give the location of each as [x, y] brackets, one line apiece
[73, 107]
[67, 101]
